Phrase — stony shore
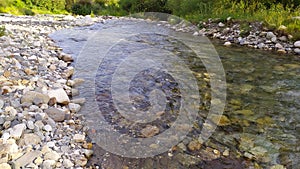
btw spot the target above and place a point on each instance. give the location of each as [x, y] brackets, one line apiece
[251, 34]
[39, 124]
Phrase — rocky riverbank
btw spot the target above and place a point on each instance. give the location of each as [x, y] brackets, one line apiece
[251, 34]
[39, 124]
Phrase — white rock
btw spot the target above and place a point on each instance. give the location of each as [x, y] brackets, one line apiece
[297, 44]
[278, 46]
[5, 166]
[48, 164]
[196, 34]
[30, 125]
[17, 131]
[60, 95]
[221, 24]
[67, 163]
[227, 43]
[297, 50]
[52, 155]
[47, 127]
[31, 139]
[79, 138]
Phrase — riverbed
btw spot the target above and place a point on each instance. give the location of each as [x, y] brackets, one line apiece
[257, 129]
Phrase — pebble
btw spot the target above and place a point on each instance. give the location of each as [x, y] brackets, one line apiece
[194, 145]
[5, 166]
[227, 44]
[79, 138]
[297, 51]
[68, 163]
[52, 155]
[47, 128]
[149, 131]
[74, 107]
[297, 44]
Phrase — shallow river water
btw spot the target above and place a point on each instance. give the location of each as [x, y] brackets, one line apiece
[259, 127]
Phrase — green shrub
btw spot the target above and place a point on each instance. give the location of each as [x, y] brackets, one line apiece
[82, 8]
[28, 12]
[2, 31]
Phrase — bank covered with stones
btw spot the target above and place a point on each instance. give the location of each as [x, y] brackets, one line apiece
[39, 124]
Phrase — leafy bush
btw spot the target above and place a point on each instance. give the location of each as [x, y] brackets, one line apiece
[82, 8]
[133, 6]
[28, 12]
[2, 31]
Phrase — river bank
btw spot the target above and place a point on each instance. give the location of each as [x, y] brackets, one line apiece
[39, 124]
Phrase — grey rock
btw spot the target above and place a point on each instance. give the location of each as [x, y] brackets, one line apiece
[56, 114]
[283, 38]
[297, 50]
[80, 101]
[17, 131]
[74, 108]
[278, 46]
[270, 35]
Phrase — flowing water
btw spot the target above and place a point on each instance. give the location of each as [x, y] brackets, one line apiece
[259, 126]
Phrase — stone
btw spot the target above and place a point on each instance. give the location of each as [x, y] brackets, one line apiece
[17, 131]
[38, 161]
[88, 153]
[67, 58]
[194, 145]
[1, 103]
[5, 166]
[49, 164]
[30, 125]
[226, 153]
[81, 161]
[60, 95]
[270, 35]
[221, 25]
[274, 39]
[6, 124]
[297, 44]
[149, 131]
[278, 46]
[30, 96]
[31, 139]
[297, 51]
[80, 101]
[74, 108]
[26, 159]
[10, 147]
[283, 38]
[68, 163]
[47, 127]
[55, 114]
[227, 44]
[79, 138]
[281, 51]
[220, 120]
[277, 166]
[52, 155]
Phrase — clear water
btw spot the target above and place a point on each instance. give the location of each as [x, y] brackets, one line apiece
[262, 107]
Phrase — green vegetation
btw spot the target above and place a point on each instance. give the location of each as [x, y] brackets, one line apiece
[274, 13]
[2, 31]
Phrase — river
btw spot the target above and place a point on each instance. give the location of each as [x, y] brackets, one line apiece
[259, 127]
